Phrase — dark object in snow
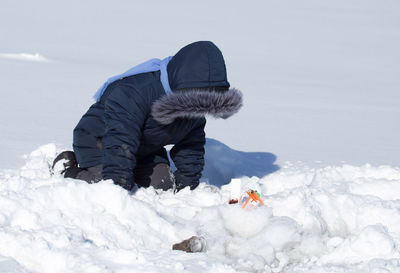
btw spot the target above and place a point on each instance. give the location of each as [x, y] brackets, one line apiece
[233, 201]
[64, 161]
[193, 244]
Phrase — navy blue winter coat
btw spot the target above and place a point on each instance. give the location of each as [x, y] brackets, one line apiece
[135, 118]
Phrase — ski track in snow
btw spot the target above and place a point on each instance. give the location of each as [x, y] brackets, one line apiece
[332, 219]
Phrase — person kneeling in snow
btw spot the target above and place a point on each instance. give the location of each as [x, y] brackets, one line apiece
[160, 102]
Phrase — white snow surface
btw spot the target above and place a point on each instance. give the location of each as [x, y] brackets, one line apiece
[329, 219]
[24, 57]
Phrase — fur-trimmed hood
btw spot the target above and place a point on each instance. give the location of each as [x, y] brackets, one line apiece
[193, 73]
[195, 104]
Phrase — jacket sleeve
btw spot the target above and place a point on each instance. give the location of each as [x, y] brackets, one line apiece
[124, 114]
[188, 156]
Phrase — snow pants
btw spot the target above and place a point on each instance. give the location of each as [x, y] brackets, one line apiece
[159, 176]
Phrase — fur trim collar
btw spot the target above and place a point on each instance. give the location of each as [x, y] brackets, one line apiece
[196, 104]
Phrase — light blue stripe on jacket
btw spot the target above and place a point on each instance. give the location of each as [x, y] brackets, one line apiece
[148, 66]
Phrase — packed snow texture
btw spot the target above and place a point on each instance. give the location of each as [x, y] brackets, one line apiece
[329, 219]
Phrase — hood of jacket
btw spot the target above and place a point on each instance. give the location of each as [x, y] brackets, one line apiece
[195, 74]
[199, 64]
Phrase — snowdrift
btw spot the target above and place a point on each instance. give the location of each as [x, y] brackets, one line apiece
[330, 219]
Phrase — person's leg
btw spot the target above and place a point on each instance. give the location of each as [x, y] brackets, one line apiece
[66, 164]
[90, 175]
[159, 176]
[153, 170]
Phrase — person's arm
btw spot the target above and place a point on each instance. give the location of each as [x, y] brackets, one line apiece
[125, 111]
[188, 156]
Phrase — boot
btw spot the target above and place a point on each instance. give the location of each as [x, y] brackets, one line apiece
[63, 162]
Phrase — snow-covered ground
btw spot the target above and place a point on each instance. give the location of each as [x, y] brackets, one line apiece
[318, 136]
[328, 219]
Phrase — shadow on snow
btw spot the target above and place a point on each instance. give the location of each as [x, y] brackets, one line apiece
[223, 163]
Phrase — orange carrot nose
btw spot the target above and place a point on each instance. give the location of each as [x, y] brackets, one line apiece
[254, 196]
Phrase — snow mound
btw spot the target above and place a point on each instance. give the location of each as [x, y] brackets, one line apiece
[332, 219]
[24, 57]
